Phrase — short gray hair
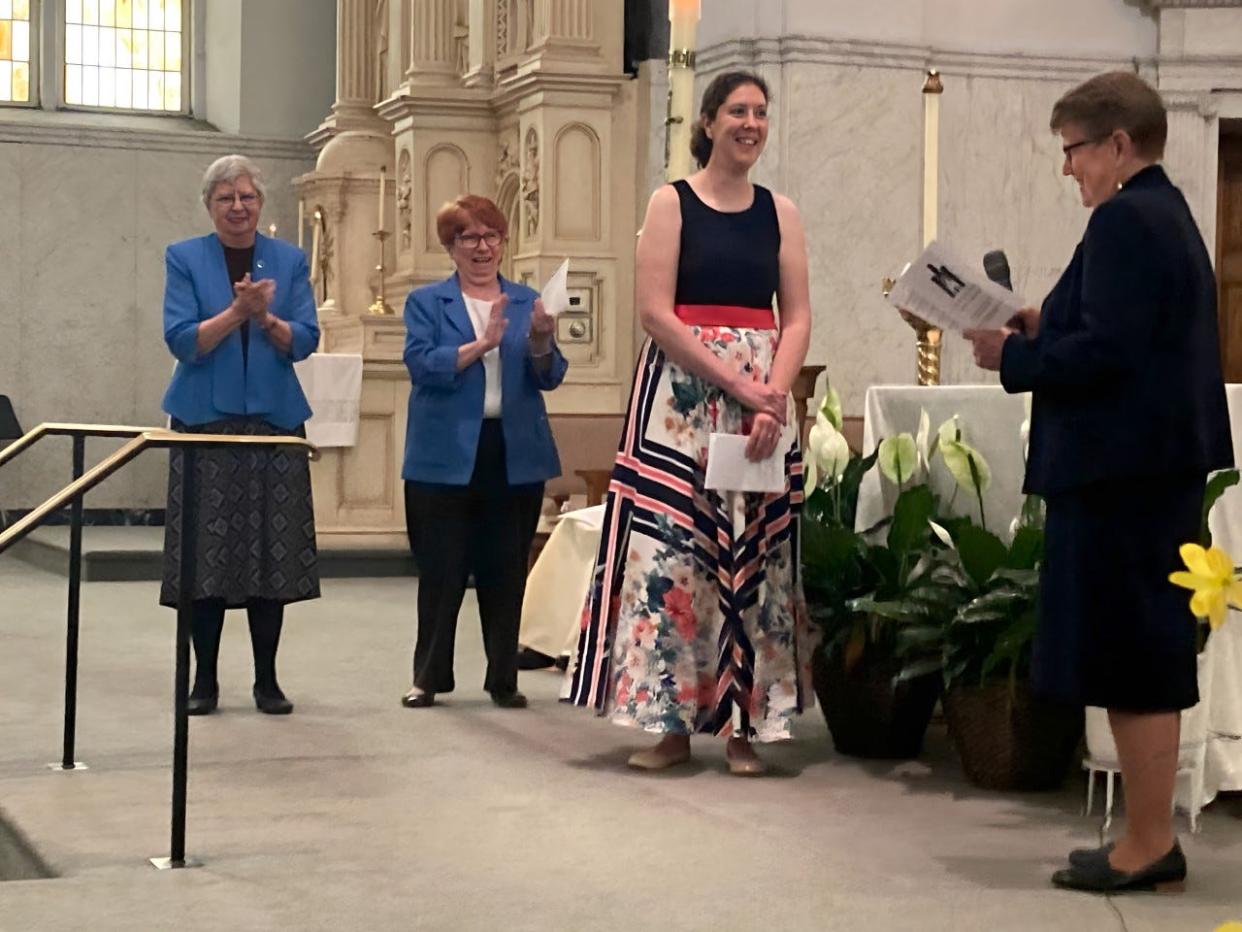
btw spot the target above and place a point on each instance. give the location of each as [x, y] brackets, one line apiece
[229, 168]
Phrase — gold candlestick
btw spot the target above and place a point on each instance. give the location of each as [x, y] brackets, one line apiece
[379, 306]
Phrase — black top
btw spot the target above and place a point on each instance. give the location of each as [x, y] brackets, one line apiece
[240, 263]
[731, 259]
[1126, 368]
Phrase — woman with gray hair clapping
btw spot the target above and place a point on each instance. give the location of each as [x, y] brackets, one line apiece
[238, 312]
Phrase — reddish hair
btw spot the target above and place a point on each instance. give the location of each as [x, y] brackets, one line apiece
[458, 214]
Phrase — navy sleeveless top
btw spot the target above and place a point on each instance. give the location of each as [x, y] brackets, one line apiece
[731, 259]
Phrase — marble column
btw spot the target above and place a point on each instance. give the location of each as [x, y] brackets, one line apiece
[432, 52]
[358, 63]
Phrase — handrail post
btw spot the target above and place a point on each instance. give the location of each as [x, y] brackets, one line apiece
[181, 677]
[74, 614]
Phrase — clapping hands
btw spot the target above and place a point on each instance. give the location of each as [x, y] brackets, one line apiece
[253, 298]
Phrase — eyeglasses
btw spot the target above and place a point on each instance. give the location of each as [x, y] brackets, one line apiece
[1069, 150]
[472, 240]
[226, 200]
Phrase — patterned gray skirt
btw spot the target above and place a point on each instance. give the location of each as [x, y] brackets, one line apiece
[255, 525]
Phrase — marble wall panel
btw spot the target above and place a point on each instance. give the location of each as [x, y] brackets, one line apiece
[853, 170]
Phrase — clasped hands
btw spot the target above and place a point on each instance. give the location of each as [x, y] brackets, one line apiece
[252, 298]
[989, 345]
[542, 327]
[770, 405]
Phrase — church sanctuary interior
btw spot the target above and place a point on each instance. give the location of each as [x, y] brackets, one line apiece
[926, 786]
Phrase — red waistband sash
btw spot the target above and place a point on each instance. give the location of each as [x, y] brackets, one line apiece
[723, 315]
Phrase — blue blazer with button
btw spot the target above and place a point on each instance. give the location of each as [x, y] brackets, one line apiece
[1126, 369]
[446, 406]
[216, 386]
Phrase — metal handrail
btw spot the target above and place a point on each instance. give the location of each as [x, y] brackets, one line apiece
[147, 438]
[143, 439]
[31, 437]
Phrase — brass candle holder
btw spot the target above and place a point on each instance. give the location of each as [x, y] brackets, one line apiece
[929, 341]
[379, 306]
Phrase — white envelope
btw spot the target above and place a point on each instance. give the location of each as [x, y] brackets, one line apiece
[728, 469]
[555, 293]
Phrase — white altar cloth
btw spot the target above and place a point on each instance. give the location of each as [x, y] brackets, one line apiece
[333, 386]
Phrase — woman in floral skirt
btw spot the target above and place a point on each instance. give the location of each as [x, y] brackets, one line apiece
[695, 622]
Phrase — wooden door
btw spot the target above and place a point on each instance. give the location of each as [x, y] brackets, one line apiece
[1229, 253]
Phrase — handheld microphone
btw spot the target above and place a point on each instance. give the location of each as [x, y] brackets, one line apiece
[996, 267]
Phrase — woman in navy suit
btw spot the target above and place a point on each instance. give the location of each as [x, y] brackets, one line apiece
[1128, 418]
[238, 312]
[478, 448]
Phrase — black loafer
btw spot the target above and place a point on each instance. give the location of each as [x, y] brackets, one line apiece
[202, 704]
[272, 702]
[1086, 855]
[418, 700]
[513, 700]
[531, 659]
[1094, 874]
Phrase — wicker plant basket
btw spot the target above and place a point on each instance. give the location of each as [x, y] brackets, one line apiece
[866, 714]
[1012, 743]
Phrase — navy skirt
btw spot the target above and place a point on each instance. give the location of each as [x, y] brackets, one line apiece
[1113, 631]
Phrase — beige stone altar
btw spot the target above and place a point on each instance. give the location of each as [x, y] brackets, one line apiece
[524, 101]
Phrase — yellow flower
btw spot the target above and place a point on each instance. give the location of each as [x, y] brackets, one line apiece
[1212, 580]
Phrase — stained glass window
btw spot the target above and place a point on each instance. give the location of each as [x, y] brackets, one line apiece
[15, 46]
[125, 54]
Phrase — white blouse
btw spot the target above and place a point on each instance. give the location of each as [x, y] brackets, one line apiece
[480, 311]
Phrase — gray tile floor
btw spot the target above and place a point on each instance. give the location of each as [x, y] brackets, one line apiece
[354, 813]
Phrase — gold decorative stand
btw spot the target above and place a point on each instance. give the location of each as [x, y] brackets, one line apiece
[379, 305]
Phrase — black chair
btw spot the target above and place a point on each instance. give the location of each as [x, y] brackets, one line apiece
[10, 430]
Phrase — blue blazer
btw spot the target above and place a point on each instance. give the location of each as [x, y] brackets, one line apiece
[217, 386]
[446, 406]
[1126, 367]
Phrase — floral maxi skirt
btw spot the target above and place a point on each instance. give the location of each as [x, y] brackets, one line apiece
[695, 621]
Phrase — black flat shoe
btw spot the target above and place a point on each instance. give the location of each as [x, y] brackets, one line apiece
[1085, 855]
[530, 659]
[272, 702]
[202, 703]
[416, 699]
[513, 700]
[1094, 874]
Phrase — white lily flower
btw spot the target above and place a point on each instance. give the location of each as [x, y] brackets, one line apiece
[958, 456]
[830, 407]
[922, 440]
[898, 458]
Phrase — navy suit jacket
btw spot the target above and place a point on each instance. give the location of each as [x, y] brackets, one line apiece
[1126, 367]
[446, 406]
[217, 385]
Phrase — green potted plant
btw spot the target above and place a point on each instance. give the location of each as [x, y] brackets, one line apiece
[862, 586]
[1006, 739]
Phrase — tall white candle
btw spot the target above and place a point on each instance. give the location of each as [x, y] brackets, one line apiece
[382, 179]
[301, 223]
[932, 89]
[683, 18]
[314, 270]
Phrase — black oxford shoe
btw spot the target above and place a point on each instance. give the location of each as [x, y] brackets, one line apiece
[417, 699]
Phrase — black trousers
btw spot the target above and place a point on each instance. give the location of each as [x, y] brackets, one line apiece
[484, 528]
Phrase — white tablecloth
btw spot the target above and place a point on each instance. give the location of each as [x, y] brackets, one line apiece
[557, 585]
[333, 386]
[991, 421]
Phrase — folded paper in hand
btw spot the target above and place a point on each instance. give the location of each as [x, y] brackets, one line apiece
[948, 293]
[555, 294]
[728, 469]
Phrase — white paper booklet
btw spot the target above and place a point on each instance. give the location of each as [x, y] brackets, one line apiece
[728, 469]
[949, 293]
[555, 293]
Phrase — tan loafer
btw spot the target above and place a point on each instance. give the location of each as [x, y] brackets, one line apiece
[654, 759]
[746, 766]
